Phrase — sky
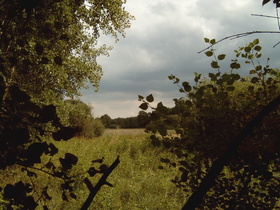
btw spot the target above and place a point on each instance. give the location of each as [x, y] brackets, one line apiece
[165, 39]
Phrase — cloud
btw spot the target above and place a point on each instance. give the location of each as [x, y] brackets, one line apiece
[164, 39]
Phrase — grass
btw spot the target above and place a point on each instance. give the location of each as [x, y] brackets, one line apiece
[138, 183]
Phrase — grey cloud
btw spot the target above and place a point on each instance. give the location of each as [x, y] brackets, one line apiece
[165, 40]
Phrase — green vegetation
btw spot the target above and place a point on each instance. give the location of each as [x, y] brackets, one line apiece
[138, 182]
[48, 51]
[207, 118]
[140, 121]
[78, 115]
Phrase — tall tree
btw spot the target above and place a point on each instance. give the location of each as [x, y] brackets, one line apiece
[50, 47]
[48, 50]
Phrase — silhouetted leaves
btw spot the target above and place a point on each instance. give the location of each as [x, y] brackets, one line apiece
[34, 152]
[92, 171]
[68, 161]
[64, 133]
[144, 106]
[150, 98]
[58, 60]
[39, 49]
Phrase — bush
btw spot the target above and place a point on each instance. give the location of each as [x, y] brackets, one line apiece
[211, 114]
[77, 114]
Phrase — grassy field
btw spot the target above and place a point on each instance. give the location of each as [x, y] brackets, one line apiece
[138, 183]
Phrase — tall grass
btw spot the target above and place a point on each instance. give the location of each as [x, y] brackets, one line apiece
[138, 183]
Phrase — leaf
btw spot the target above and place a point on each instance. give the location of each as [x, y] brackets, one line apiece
[64, 197]
[58, 60]
[213, 41]
[144, 106]
[212, 76]
[39, 49]
[258, 48]
[72, 158]
[256, 41]
[253, 71]
[150, 98]
[265, 2]
[72, 195]
[187, 86]
[215, 65]
[209, 53]
[171, 77]
[206, 40]
[258, 55]
[140, 98]
[235, 65]
[221, 57]
[92, 171]
[230, 88]
[247, 49]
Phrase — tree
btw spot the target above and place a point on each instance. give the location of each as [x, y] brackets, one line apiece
[48, 50]
[213, 111]
[77, 114]
[106, 120]
[54, 44]
[143, 119]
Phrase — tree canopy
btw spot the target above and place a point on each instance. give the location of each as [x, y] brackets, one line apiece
[53, 44]
[48, 51]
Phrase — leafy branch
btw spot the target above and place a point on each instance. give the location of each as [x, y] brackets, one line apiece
[209, 180]
[235, 36]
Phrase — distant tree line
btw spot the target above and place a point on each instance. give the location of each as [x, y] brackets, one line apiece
[140, 121]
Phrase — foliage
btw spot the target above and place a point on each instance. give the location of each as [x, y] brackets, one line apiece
[212, 112]
[77, 114]
[47, 51]
[138, 183]
[127, 122]
[54, 44]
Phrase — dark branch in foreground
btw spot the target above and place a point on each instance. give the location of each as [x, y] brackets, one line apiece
[235, 36]
[93, 190]
[209, 180]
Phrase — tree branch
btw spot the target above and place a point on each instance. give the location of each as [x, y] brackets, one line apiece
[93, 190]
[235, 36]
[209, 180]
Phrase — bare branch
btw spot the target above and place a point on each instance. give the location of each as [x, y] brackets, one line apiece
[235, 36]
[196, 198]
[94, 189]
[267, 16]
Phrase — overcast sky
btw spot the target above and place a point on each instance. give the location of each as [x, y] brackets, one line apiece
[165, 39]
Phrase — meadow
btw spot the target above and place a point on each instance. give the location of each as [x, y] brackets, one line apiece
[137, 181]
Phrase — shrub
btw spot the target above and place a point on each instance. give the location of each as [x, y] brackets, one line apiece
[210, 115]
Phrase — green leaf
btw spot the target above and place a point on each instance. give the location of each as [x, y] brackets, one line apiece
[213, 41]
[206, 40]
[140, 98]
[247, 49]
[197, 77]
[212, 76]
[235, 65]
[187, 86]
[209, 53]
[258, 55]
[221, 57]
[215, 65]
[254, 80]
[171, 77]
[258, 48]
[256, 41]
[150, 98]
[144, 106]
